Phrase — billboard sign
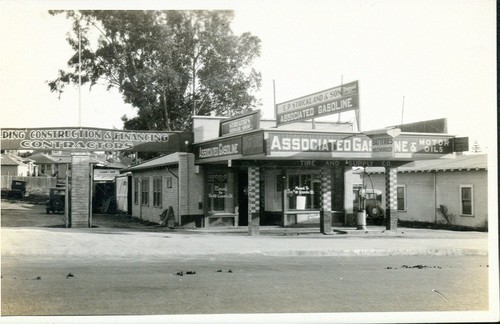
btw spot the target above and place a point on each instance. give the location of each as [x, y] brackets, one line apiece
[403, 146]
[327, 102]
[242, 123]
[314, 142]
[253, 143]
[93, 139]
[105, 174]
[230, 146]
[408, 145]
[461, 144]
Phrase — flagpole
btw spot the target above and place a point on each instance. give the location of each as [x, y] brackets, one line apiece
[79, 76]
[402, 110]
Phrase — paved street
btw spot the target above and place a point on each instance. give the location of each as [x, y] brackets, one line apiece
[256, 284]
[124, 267]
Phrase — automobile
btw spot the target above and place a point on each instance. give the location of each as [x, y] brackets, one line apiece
[56, 200]
[375, 214]
[17, 188]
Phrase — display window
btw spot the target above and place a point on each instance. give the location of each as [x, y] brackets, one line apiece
[304, 191]
[220, 195]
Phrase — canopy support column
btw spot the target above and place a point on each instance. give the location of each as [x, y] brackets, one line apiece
[253, 201]
[391, 198]
[325, 215]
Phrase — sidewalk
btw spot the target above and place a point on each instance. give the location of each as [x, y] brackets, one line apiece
[111, 243]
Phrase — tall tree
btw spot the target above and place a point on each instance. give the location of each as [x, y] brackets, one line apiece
[167, 64]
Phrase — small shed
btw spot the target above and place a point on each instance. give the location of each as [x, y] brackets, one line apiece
[170, 181]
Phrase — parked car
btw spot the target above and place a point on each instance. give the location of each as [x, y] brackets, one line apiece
[56, 200]
[372, 204]
[375, 214]
[17, 188]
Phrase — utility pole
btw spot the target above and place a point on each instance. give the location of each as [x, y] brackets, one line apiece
[402, 110]
[79, 75]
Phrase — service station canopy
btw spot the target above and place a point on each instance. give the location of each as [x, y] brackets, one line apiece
[94, 139]
[318, 145]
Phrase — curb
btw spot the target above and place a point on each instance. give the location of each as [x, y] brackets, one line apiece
[272, 253]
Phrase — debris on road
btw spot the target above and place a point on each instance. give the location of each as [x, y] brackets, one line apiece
[180, 273]
[419, 266]
[70, 275]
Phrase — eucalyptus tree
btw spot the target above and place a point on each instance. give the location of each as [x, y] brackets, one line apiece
[167, 64]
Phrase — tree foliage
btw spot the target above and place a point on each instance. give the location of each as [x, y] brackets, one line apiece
[167, 64]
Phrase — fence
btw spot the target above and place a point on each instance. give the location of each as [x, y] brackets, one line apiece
[33, 184]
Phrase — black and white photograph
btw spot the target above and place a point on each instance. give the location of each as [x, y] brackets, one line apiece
[281, 161]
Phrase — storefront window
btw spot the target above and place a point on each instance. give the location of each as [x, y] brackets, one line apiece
[220, 192]
[157, 191]
[136, 191]
[401, 195]
[304, 191]
[145, 192]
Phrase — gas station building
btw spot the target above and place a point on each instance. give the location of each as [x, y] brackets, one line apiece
[260, 175]
[244, 171]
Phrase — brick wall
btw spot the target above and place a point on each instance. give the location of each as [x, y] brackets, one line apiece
[80, 190]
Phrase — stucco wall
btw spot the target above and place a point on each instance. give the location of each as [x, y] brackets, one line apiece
[448, 194]
[191, 185]
[421, 200]
[420, 205]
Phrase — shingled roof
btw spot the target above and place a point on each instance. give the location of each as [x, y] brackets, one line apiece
[170, 159]
[42, 158]
[9, 159]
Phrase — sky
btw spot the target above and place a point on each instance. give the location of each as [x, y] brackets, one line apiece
[414, 60]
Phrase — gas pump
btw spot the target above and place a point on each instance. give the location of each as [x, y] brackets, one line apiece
[361, 216]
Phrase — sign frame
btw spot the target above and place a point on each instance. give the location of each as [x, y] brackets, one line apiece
[240, 124]
[322, 103]
[81, 139]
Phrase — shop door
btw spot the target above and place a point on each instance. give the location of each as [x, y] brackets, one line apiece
[243, 198]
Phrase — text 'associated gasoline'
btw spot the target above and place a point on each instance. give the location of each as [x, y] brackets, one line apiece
[326, 102]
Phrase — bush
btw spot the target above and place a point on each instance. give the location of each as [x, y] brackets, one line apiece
[449, 217]
[451, 227]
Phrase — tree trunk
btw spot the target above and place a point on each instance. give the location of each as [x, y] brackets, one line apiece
[165, 110]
